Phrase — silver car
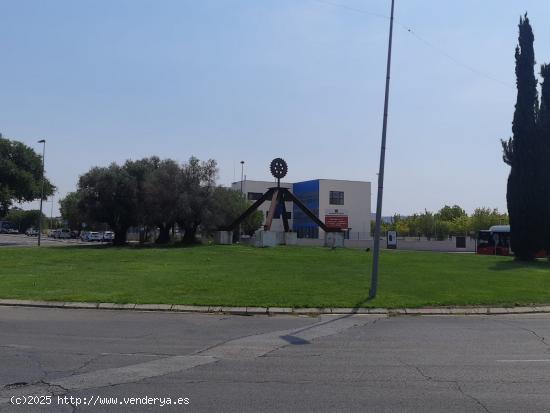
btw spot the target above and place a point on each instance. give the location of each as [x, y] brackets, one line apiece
[108, 236]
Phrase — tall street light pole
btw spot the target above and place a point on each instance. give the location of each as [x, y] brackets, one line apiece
[51, 212]
[242, 194]
[376, 249]
[242, 177]
[43, 142]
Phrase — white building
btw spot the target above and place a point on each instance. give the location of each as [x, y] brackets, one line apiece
[338, 203]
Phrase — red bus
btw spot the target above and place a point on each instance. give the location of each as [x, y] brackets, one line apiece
[494, 241]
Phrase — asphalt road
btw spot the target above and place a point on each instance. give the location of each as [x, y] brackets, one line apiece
[271, 364]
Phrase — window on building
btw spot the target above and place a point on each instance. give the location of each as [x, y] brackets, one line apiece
[336, 198]
[254, 196]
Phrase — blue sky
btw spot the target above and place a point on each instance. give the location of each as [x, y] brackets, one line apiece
[251, 80]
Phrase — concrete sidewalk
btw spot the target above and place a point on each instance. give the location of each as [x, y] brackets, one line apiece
[280, 310]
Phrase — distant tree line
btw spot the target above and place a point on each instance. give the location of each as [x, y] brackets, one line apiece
[448, 221]
[25, 219]
[151, 193]
[528, 153]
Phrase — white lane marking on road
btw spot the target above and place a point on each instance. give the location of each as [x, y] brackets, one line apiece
[21, 346]
[108, 377]
[524, 361]
[240, 349]
[132, 373]
[135, 354]
[260, 344]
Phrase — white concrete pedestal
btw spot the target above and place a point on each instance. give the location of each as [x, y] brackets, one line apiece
[266, 239]
[223, 237]
[291, 238]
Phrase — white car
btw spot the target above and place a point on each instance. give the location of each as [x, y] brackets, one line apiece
[108, 236]
[91, 236]
[31, 232]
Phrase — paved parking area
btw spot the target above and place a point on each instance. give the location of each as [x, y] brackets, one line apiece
[21, 240]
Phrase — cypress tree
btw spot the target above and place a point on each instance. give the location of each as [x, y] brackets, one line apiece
[544, 162]
[521, 152]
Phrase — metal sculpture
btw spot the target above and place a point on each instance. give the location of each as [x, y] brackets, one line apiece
[279, 196]
[278, 168]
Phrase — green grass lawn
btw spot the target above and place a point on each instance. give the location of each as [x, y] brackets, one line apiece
[282, 276]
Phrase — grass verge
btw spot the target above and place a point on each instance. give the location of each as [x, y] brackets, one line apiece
[275, 277]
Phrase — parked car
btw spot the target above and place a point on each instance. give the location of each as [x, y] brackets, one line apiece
[31, 232]
[95, 236]
[108, 236]
[13, 231]
[90, 236]
[5, 227]
[63, 233]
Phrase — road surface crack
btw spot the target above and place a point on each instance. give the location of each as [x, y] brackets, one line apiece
[455, 382]
[461, 390]
[86, 364]
[540, 338]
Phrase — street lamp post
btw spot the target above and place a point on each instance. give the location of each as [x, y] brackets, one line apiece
[242, 177]
[376, 249]
[43, 142]
[242, 194]
[51, 213]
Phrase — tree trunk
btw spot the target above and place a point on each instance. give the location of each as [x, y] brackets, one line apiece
[164, 234]
[120, 236]
[189, 235]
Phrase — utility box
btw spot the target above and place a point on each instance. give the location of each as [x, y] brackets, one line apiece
[392, 240]
[223, 237]
[334, 239]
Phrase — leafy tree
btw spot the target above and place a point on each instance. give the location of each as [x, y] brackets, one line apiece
[110, 195]
[402, 227]
[197, 182]
[414, 225]
[426, 224]
[442, 229]
[20, 174]
[460, 225]
[227, 205]
[484, 218]
[141, 170]
[161, 192]
[24, 220]
[71, 212]
[149, 192]
[448, 213]
[521, 153]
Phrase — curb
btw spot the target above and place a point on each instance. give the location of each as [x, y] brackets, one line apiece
[279, 310]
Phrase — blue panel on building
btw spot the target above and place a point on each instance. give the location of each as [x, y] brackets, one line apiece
[308, 193]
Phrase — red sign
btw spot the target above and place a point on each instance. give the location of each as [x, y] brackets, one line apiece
[336, 221]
